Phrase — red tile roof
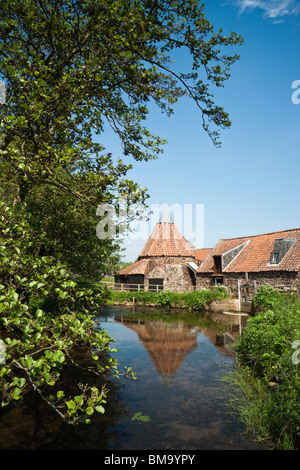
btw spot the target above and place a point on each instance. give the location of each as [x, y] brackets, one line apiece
[201, 254]
[139, 267]
[255, 255]
[166, 240]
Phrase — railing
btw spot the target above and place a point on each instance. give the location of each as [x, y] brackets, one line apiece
[245, 295]
[288, 289]
[126, 287]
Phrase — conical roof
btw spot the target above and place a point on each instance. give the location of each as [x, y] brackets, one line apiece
[166, 240]
[166, 218]
[167, 344]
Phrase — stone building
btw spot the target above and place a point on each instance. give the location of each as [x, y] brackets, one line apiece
[167, 262]
[272, 258]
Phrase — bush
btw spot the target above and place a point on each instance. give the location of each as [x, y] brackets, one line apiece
[266, 298]
[45, 316]
[193, 300]
[266, 350]
[198, 299]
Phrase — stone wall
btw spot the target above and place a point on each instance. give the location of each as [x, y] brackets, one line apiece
[204, 281]
[273, 278]
[173, 270]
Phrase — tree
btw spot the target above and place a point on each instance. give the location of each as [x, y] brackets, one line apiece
[68, 225]
[71, 69]
[45, 317]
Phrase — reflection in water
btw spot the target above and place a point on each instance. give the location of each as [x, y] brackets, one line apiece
[178, 361]
[167, 344]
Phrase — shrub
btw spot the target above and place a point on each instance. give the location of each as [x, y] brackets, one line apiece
[198, 299]
[266, 297]
[195, 300]
[266, 351]
[45, 316]
[165, 298]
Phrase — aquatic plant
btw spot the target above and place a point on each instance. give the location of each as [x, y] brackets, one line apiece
[139, 417]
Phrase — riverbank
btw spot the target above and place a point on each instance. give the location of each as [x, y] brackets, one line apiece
[266, 383]
[196, 300]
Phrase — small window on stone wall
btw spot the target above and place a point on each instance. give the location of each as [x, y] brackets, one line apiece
[156, 284]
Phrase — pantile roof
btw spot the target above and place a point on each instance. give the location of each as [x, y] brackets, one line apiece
[201, 253]
[166, 240]
[139, 267]
[253, 254]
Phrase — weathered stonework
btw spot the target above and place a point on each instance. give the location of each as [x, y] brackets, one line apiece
[223, 305]
[272, 278]
[164, 260]
[174, 270]
[271, 258]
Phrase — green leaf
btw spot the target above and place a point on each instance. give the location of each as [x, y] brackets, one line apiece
[16, 395]
[79, 399]
[89, 410]
[71, 404]
[100, 409]
[22, 382]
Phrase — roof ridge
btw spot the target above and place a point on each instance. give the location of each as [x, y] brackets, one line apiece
[260, 235]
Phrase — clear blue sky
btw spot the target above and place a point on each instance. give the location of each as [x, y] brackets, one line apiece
[251, 184]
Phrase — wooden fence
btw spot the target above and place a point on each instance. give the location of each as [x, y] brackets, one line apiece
[246, 291]
[126, 287]
[288, 289]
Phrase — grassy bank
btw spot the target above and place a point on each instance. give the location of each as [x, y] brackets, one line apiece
[192, 300]
[267, 382]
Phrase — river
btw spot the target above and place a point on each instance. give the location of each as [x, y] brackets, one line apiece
[178, 403]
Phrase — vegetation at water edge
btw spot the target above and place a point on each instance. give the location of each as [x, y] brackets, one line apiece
[267, 381]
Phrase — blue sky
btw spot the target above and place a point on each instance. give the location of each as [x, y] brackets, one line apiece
[251, 184]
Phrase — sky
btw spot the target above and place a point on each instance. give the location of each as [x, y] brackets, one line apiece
[251, 184]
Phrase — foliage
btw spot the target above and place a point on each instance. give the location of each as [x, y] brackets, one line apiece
[198, 299]
[266, 297]
[73, 69]
[266, 352]
[195, 300]
[44, 316]
[69, 226]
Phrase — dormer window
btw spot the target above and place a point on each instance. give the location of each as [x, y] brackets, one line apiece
[217, 264]
[280, 249]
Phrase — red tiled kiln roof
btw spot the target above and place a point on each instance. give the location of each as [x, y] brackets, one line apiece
[166, 240]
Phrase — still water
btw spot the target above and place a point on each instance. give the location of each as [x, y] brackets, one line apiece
[178, 403]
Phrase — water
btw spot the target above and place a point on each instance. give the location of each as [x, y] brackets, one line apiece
[179, 398]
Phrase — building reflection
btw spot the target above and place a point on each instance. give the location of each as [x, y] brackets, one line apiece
[168, 344]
